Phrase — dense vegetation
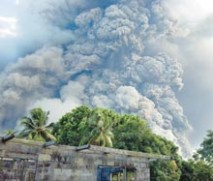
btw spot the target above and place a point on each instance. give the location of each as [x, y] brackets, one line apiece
[206, 150]
[196, 170]
[106, 128]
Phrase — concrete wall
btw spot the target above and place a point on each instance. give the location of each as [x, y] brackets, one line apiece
[26, 160]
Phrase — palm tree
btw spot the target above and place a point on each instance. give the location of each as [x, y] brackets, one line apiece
[101, 134]
[35, 127]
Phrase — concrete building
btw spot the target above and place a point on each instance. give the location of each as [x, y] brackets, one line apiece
[24, 160]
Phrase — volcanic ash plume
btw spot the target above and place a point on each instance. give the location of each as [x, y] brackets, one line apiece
[109, 62]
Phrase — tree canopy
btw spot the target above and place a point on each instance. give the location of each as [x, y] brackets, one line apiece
[104, 127]
[35, 127]
[84, 125]
[196, 170]
[206, 150]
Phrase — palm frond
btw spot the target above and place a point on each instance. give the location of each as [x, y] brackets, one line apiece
[35, 126]
[24, 133]
[51, 125]
[27, 122]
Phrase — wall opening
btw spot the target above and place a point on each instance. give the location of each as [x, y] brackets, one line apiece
[110, 173]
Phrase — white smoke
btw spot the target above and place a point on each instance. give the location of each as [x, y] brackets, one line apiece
[108, 61]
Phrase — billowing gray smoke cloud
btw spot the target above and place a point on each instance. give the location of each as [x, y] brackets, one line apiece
[108, 63]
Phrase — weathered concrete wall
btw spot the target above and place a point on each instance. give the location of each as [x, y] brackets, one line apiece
[25, 160]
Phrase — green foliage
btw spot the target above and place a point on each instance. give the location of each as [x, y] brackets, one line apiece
[101, 121]
[166, 170]
[129, 132]
[196, 171]
[133, 133]
[73, 128]
[104, 127]
[35, 127]
[84, 125]
[206, 150]
[200, 168]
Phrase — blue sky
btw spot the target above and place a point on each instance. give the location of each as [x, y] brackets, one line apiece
[184, 32]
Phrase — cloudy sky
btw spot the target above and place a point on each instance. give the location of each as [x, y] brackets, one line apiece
[151, 58]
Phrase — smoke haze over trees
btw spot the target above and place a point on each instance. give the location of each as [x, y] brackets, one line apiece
[115, 54]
